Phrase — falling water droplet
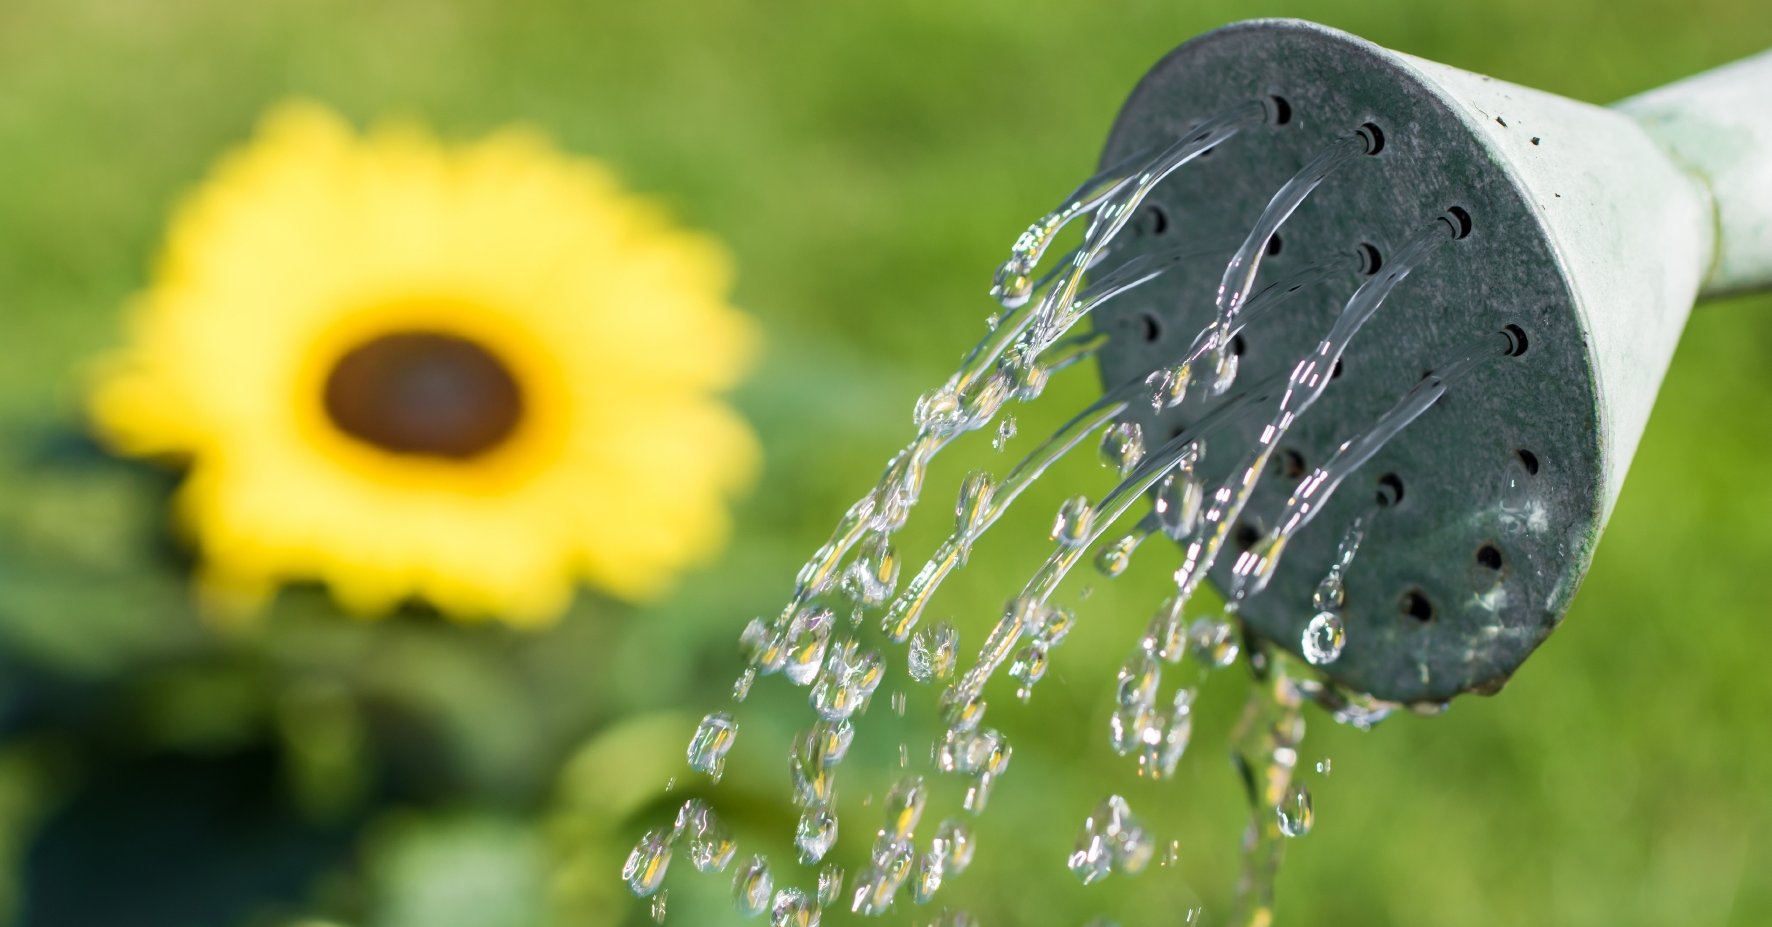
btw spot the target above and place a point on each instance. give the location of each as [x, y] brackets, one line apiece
[933, 653]
[763, 646]
[793, 909]
[875, 569]
[815, 834]
[815, 785]
[1323, 639]
[1111, 840]
[711, 846]
[1029, 667]
[1138, 679]
[848, 681]
[1135, 695]
[1071, 526]
[751, 887]
[904, 806]
[935, 409]
[1116, 556]
[1164, 753]
[1325, 766]
[1330, 593]
[1051, 625]
[1295, 811]
[659, 902]
[1179, 497]
[981, 403]
[993, 320]
[1122, 447]
[808, 634]
[878, 884]
[826, 742]
[741, 687]
[1013, 283]
[1168, 387]
[1030, 379]
[973, 509]
[830, 884]
[929, 875]
[1214, 642]
[953, 840]
[1005, 431]
[970, 752]
[712, 739]
[1224, 371]
[647, 863]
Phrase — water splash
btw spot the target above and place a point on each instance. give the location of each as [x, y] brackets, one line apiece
[858, 569]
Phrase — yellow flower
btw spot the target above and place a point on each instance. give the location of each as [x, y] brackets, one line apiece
[471, 375]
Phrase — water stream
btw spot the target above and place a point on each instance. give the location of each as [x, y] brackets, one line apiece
[822, 640]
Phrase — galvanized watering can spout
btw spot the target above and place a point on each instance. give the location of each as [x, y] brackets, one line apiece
[1717, 128]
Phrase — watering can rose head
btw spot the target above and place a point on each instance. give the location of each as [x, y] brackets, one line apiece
[467, 375]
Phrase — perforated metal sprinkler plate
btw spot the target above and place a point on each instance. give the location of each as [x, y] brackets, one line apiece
[1583, 234]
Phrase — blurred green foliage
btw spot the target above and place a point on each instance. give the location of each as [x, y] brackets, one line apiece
[867, 163]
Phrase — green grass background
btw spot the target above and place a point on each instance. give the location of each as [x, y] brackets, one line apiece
[868, 164]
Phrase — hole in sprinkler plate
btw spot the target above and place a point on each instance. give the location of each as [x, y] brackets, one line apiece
[1461, 221]
[1246, 535]
[1528, 460]
[1390, 489]
[1335, 371]
[1273, 244]
[1374, 137]
[1290, 464]
[1370, 258]
[1518, 335]
[1489, 557]
[1279, 111]
[1415, 604]
[1150, 326]
[1156, 220]
[1238, 345]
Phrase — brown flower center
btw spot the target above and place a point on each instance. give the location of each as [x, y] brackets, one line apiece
[426, 394]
